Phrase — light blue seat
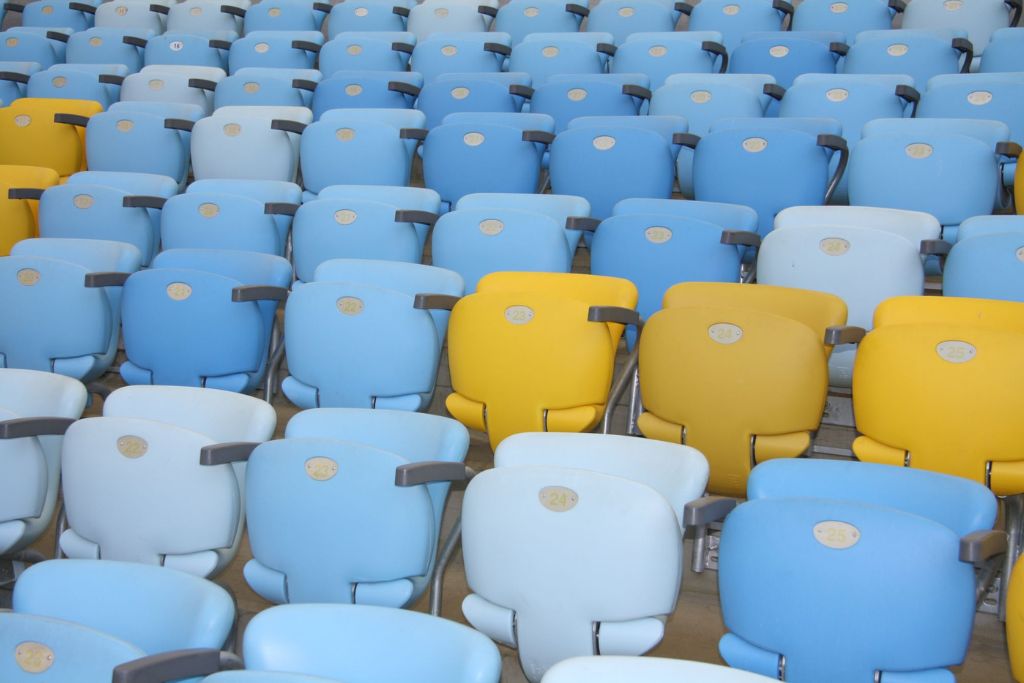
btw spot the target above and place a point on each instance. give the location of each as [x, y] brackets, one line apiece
[849, 18]
[92, 211]
[366, 89]
[14, 78]
[31, 461]
[612, 579]
[519, 18]
[138, 15]
[954, 164]
[97, 82]
[566, 97]
[251, 143]
[851, 99]
[475, 242]
[566, 210]
[492, 92]
[161, 505]
[20, 45]
[460, 53]
[448, 16]
[612, 669]
[303, 80]
[285, 15]
[396, 344]
[113, 138]
[368, 15]
[269, 191]
[133, 183]
[1004, 52]
[173, 83]
[155, 608]
[986, 266]
[77, 654]
[384, 140]
[481, 152]
[275, 49]
[207, 18]
[872, 511]
[422, 205]
[979, 19]
[107, 46]
[186, 49]
[366, 50]
[731, 164]
[351, 227]
[788, 54]
[227, 299]
[216, 220]
[858, 263]
[919, 54]
[624, 18]
[385, 559]
[661, 54]
[352, 643]
[84, 360]
[543, 55]
[259, 89]
[976, 226]
[736, 18]
[77, 16]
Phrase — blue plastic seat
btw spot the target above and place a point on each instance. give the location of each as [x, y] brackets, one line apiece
[460, 53]
[986, 265]
[357, 643]
[138, 15]
[269, 191]
[566, 97]
[383, 140]
[473, 92]
[257, 143]
[157, 609]
[624, 18]
[397, 344]
[186, 49]
[422, 204]
[25, 46]
[226, 298]
[919, 54]
[216, 220]
[613, 668]
[979, 19]
[31, 462]
[368, 15]
[448, 16]
[366, 89]
[787, 54]
[144, 185]
[366, 50]
[481, 152]
[275, 49]
[79, 82]
[475, 242]
[519, 18]
[107, 46]
[173, 83]
[659, 55]
[1004, 51]
[736, 18]
[849, 18]
[77, 16]
[566, 210]
[954, 164]
[162, 503]
[285, 15]
[386, 559]
[259, 89]
[731, 164]
[543, 55]
[207, 18]
[14, 79]
[871, 511]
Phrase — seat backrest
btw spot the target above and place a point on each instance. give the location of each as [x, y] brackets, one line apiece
[328, 146]
[283, 15]
[369, 15]
[848, 17]
[979, 19]
[251, 89]
[383, 50]
[207, 220]
[543, 55]
[129, 14]
[184, 49]
[363, 88]
[203, 18]
[281, 49]
[519, 18]
[32, 138]
[106, 46]
[452, 52]
[914, 226]
[242, 146]
[156, 609]
[112, 134]
[661, 54]
[567, 97]
[608, 571]
[612, 668]
[361, 644]
[976, 96]
[928, 598]
[623, 18]
[985, 267]
[1003, 51]
[919, 54]
[736, 18]
[851, 99]
[786, 55]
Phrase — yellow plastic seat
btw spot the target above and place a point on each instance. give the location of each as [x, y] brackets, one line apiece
[1015, 621]
[19, 217]
[944, 397]
[30, 137]
[524, 357]
[907, 310]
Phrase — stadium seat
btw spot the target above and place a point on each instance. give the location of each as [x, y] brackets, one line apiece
[567, 97]
[20, 189]
[45, 49]
[252, 143]
[849, 18]
[174, 83]
[919, 54]
[215, 220]
[275, 49]
[366, 89]
[473, 92]
[77, 16]
[543, 55]
[659, 55]
[736, 18]
[107, 46]
[1004, 51]
[443, 53]
[135, 15]
[368, 15]
[520, 18]
[285, 15]
[786, 55]
[45, 132]
[625, 18]
[184, 49]
[979, 19]
[448, 16]
[612, 668]
[567, 210]
[366, 50]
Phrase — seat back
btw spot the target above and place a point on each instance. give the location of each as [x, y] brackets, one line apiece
[849, 18]
[1003, 50]
[661, 54]
[280, 49]
[376, 50]
[625, 18]
[111, 135]
[916, 53]
[519, 18]
[985, 267]
[330, 145]
[106, 46]
[370, 15]
[736, 19]
[19, 216]
[31, 137]
[370, 89]
[452, 52]
[184, 49]
[786, 55]
[543, 55]
[612, 668]
[976, 96]
[979, 19]
[210, 220]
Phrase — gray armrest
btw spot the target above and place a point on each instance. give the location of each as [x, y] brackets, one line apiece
[324, 7]
[978, 547]
[143, 202]
[741, 237]
[25, 193]
[585, 223]
[707, 510]
[436, 302]
[224, 453]
[179, 124]
[488, 10]
[684, 7]
[606, 49]
[108, 279]
[160, 9]
[280, 208]
[13, 76]
[774, 91]
[686, 140]
[288, 126]
[519, 90]
[1008, 149]
[417, 473]
[897, 5]
[966, 48]
[846, 334]
[613, 314]
[21, 427]
[400, 11]
[111, 79]
[838, 144]
[58, 36]
[636, 91]
[719, 51]
[403, 47]
[783, 6]
[202, 84]
[404, 88]
[841, 49]
[306, 46]
[939, 247]
[233, 10]
[176, 665]
[498, 49]
[220, 44]
[14, 7]
[413, 216]
[303, 84]
[135, 41]
[578, 10]
[909, 95]
[541, 136]
[71, 120]
[258, 293]
[412, 134]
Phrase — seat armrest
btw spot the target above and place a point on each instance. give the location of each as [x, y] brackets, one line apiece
[224, 453]
[258, 293]
[843, 334]
[107, 279]
[22, 427]
[175, 665]
[435, 302]
[427, 472]
[614, 314]
[708, 509]
[978, 547]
